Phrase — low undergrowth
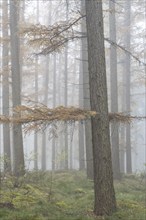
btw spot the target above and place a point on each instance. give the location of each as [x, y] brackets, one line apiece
[66, 196]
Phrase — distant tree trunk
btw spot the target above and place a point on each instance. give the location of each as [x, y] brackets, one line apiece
[46, 87]
[16, 89]
[81, 124]
[72, 101]
[45, 102]
[122, 149]
[128, 76]
[86, 98]
[54, 105]
[65, 95]
[114, 92]
[36, 99]
[5, 87]
[145, 67]
[105, 202]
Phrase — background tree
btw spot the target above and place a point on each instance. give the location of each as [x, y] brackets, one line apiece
[5, 86]
[128, 77]
[114, 91]
[86, 95]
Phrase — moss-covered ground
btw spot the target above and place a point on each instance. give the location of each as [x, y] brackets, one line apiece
[66, 196]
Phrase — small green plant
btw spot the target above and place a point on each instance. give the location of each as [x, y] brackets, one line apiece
[65, 195]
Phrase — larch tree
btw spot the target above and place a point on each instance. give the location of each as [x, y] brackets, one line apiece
[16, 87]
[105, 202]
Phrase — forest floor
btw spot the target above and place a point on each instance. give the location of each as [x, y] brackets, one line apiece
[66, 196]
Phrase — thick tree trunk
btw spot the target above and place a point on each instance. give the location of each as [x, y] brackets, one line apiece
[114, 92]
[16, 89]
[105, 203]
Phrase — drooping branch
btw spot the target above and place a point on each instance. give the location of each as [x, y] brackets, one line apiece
[125, 50]
[40, 116]
[53, 38]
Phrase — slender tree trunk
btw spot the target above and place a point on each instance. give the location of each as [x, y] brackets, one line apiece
[81, 124]
[46, 87]
[65, 96]
[54, 105]
[128, 76]
[86, 98]
[105, 202]
[122, 149]
[5, 87]
[145, 70]
[36, 99]
[16, 89]
[114, 92]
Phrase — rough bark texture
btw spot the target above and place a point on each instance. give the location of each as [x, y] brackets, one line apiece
[114, 92]
[86, 98]
[105, 203]
[16, 89]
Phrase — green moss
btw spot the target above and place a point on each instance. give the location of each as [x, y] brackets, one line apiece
[68, 196]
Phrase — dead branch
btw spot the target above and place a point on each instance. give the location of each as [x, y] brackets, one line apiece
[39, 117]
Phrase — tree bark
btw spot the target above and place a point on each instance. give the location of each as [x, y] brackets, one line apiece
[16, 88]
[105, 202]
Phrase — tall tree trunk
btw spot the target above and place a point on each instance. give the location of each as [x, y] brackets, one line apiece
[81, 125]
[86, 98]
[105, 202]
[5, 87]
[65, 95]
[46, 87]
[114, 92]
[54, 105]
[145, 68]
[128, 76]
[36, 99]
[16, 88]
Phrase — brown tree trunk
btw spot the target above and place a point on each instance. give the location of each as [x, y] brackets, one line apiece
[105, 202]
[16, 87]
